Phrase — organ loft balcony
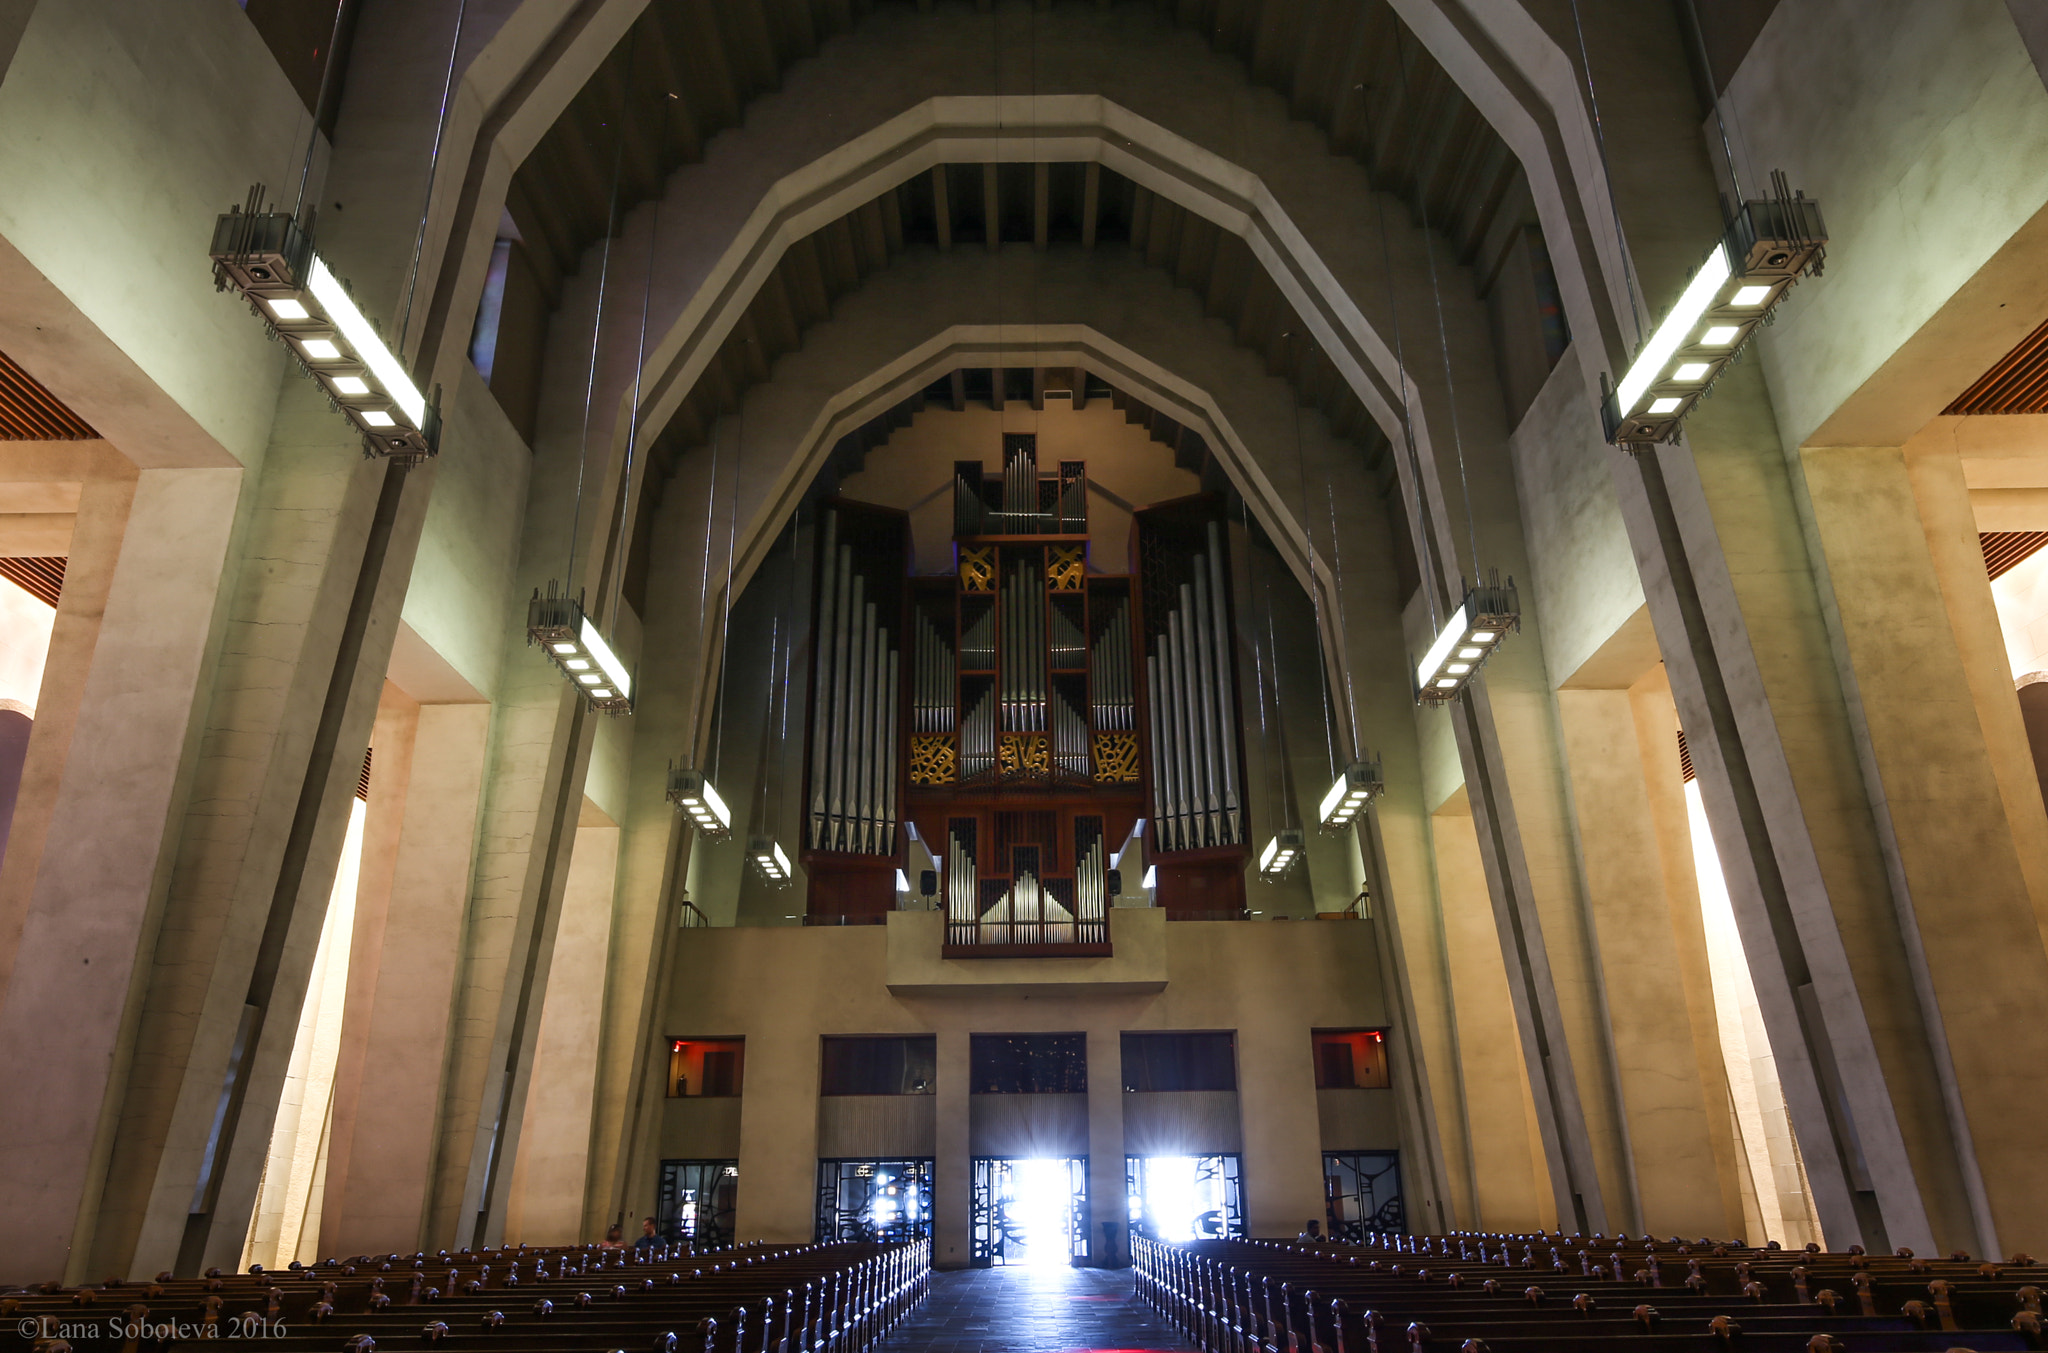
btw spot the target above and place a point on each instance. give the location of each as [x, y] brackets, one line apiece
[1129, 961]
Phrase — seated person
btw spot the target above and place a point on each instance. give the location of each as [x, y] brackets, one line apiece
[1312, 1231]
[613, 1240]
[649, 1238]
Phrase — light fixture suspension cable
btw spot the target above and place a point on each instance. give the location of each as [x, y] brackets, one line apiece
[419, 239]
[596, 338]
[625, 524]
[1699, 36]
[1442, 334]
[1423, 542]
[1628, 272]
[319, 102]
[732, 526]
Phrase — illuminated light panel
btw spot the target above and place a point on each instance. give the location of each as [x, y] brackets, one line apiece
[1768, 244]
[288, 309]
[573, 643]
[377, 418]
[320, 349]
[1281, 854]
[1693, 303]
[766, 856]
[1467, 640]
[690, 791]
[362, 336]
[594, 644]
[352, 385]
[1358, 786]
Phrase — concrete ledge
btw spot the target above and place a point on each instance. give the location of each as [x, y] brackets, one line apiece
[1135, 967]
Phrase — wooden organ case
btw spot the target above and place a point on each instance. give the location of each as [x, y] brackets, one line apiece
[1024, 713]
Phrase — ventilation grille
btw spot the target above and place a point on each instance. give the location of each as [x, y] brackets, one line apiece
[2006, 550]
[1684, 757]
[363, 782]
[29, 413]
[41, 578]
[2018, 384]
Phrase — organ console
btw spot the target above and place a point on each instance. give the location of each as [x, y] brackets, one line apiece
[1025, 712]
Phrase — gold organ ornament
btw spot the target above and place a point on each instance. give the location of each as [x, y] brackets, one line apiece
[933, 759]
[1064, 569]
[1116, 758]
[978, 569]
[1024, 752]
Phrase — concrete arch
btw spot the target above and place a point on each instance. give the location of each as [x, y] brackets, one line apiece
[925, 315]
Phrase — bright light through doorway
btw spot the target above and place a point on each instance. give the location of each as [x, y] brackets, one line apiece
[1175, 1201]
[1041, 1209]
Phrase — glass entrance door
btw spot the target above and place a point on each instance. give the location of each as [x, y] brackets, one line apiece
[1030, 1211]
[1184, 1197]
[1362, 1193]
[882, 1201]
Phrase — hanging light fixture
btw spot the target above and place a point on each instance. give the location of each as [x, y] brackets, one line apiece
[268, 258]
[690, 791]
[558, 624]
[1358, 786]
[1767, 247]
[555, 620]
[770, 863]
[1468, 639]
[1281, 854]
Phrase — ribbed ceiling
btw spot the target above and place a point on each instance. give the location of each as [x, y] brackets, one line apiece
[2018, 384]
[29, 413]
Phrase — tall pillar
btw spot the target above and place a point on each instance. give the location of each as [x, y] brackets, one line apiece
[1509, 1182]
[1652, 968]
[1106, 1148]
[1958, 985]
[548, 1181]
[83, 880]
[953, 1168]
[425, 784]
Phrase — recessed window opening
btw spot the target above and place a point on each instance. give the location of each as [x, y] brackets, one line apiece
[1179, 1061]
[705, 1067]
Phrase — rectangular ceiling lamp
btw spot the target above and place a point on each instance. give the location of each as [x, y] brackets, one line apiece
[770, 863]
[1474, 630]
[268, 257]
[1768, 246]
[571, 641]
[695, 795]
[1281, 854]
[1358, 786]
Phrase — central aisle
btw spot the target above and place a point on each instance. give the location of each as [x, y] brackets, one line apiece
[1032, 1310]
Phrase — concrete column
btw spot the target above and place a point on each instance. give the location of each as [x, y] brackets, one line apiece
[1670, 1083]
[1106, 1147]
[1276, 1068]
[1963, 929]
[953, 1168]
[778, 1149]
[548, 1181]
[1508, 1180]
[101, 797]
[425, 785]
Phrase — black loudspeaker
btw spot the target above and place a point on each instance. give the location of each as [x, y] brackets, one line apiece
[1115, 882]
[928, 883]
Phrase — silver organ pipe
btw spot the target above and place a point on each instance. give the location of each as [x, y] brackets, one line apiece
[1091, 880]
[1069, 737]
[1109, 673]
[1067, 643]
[1226, 687]
[853, 725]
[821, 683]
[963, 899]
[977, 646]
[1193, 714]
[978, 736]
[932, 698]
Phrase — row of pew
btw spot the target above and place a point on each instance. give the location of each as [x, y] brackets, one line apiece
[837, 1298]
[1559, 1294]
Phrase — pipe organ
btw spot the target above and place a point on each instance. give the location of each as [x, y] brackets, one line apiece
[1046, 706]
